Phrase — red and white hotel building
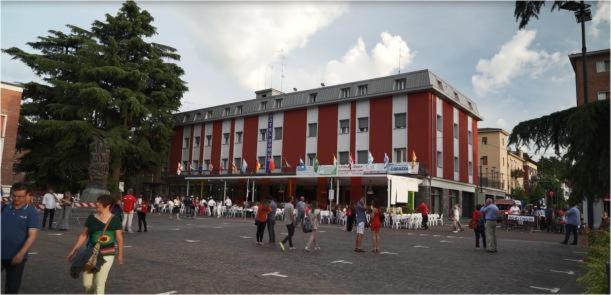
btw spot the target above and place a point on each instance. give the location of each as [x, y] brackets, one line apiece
[397, 115]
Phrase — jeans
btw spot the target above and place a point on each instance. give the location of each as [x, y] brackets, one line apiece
[98, 278]
[50, 213]
[13, 275]
[569, 228]
[289, 238]
[141, 220]
[127, 221]
[271, 223]
[260, 231]
[491, 233]
[480, 232]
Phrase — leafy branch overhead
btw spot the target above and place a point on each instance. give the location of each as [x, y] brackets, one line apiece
[108, 81]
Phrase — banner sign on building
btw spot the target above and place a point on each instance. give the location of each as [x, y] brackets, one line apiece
[359, 169]
[403, 168]
[270, 129]
[327, 170]
[521, 218]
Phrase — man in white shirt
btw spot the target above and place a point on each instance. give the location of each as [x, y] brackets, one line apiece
[514, 209]
[228, 203]
[49, 202]
[157, 204]
[211, 204]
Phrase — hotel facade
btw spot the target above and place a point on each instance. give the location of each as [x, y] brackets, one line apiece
[401, 139]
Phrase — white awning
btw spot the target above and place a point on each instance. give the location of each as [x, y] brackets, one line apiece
[399, 188]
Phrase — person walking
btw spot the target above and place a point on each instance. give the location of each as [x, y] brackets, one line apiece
[301, 205]
[261, 219]
[142, 210]
[456, 218]
[176, 208]
[361, 218]
[20, 224]
[129, 202]
[211, 205]
[490, 213]
[189, 208]
[313, 213]
[106, 229]
[49, 201]
[424, 210]
[289, 220]
[479, 226]
[271, 220]
[66, 204]
[376, 224]
[157, 204]
[572, 217]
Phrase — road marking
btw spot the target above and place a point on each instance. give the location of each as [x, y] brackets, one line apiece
[322, 231]
[451, 237]
[32, 253]
[127, 246]
[341, 261]
[276, 274]
[188, 224]
[169, 292]
[389, 253]
[175, 229]
[225, 223]
[437, 236]
[218, 227]
[284, 234]
[245, 237]
[55, 234]
[424, 235]
[574, 260]
[553, 290]
[444, 241]
[410, 234]
[192, 241]
[570, 272]
[420, 246]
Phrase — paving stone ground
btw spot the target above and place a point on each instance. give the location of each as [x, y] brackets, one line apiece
[210, 255]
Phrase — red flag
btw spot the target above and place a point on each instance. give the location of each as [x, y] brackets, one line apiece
[272, 165]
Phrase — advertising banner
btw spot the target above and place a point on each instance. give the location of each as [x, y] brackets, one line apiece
[403, 168]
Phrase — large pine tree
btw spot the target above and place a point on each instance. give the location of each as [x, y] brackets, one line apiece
[108, 82]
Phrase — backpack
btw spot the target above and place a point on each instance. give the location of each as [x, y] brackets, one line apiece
[307, 225]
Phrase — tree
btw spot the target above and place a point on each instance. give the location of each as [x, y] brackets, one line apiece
[107, 82]
[525, 10]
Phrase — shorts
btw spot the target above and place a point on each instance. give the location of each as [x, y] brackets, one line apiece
[360, 228]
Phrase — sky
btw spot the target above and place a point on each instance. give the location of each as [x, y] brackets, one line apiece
[231, 49]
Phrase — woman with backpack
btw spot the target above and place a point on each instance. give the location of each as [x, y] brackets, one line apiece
[478, 223]
[313, 214]
[376, 224]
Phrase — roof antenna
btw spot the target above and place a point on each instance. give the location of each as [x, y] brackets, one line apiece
[271, 77]
[282, 68]
[399, 67]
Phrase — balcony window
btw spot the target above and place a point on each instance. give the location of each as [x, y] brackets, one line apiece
[400, 155]
[400, 121]
[262, 134]
[208, 140]
[311, 158]
[344, 92]
[400, 84]
[362, 157]
[362, 90]
[226, 112]
[208, 114]
[312, 130]
[225, 138]
[238, 110]
[278, 103]
[263, 106]
[196, 143]
[344, 158]
[278, 133]
[363, 124]
[238, 137]
[344, 126]
[312, 97]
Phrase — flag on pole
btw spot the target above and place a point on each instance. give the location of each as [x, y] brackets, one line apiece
[414, 159]
[210, 167]
[188, 166]
[316, 164]
[286, 163]
[193, 166]
[271, 164]
[386, 160]
[234, 168]
[301, 163]
[350, 160]
[334, 160]
[179, 169]
[257, 166]
[369, 158]
[244, 166]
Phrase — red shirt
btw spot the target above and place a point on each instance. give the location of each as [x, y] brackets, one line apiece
[128, 203]
[475, 216]
[144, 207]
[262, 212]
[423, 209]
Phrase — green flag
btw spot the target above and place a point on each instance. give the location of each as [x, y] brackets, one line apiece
[316, 164]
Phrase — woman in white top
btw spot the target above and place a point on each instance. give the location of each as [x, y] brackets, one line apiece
[313, 214]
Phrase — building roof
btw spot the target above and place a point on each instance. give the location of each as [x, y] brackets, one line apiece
[590, 53]
[12, 86]
[492, 130]
[412, 82]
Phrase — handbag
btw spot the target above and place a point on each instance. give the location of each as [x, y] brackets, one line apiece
[92, 263]
[307, 225]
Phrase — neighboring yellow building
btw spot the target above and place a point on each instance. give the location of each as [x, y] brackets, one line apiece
[501, 168]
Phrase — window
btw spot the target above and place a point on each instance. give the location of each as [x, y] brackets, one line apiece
[400, 121]
[238, 110]
[485, 160]
[208, 140]
[439, 123]
[238, 137]
[263, 106]
[470, 168]
[185, 118]
[312, 97]
[470, 137]
[345, 92]
[311, 159]
[344, 126]
[278, 162]
[278, 103]
[238, 163]
[362, 157]
[262, 162]
[208, 114]
[455, 130]
[225, 138]
[197, 139]
[440, 84]
[197, 116]
[344, 158]
[185, 143]
[262, 134]
[184, 166]
[455, 164]
[484, 140]
[602, 66]
[602, 95]
[226, 112]
[400, 155]
[312, 130]
[400, 84]
[278, 133]
[362, 90]
[224, 163]
[363, 124]
[207, 163]
[439, 159]
[503, 141]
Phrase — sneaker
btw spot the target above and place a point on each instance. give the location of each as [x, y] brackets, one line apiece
[307, 249]
[293, 248]
[317, 248]
[455, 231]
[281, 246]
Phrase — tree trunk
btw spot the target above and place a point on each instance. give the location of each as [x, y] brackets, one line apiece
[115, 176]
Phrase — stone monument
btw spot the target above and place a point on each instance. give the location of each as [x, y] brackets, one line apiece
[98, 170]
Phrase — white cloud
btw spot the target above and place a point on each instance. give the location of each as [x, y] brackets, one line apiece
[246, 39]
[358, 64]
[600, 17]
[515, 58]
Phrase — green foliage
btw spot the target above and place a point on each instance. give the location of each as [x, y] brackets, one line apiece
[525, 10]
[595, 279]
[518, 193]
[584, 132]
[108, 81]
